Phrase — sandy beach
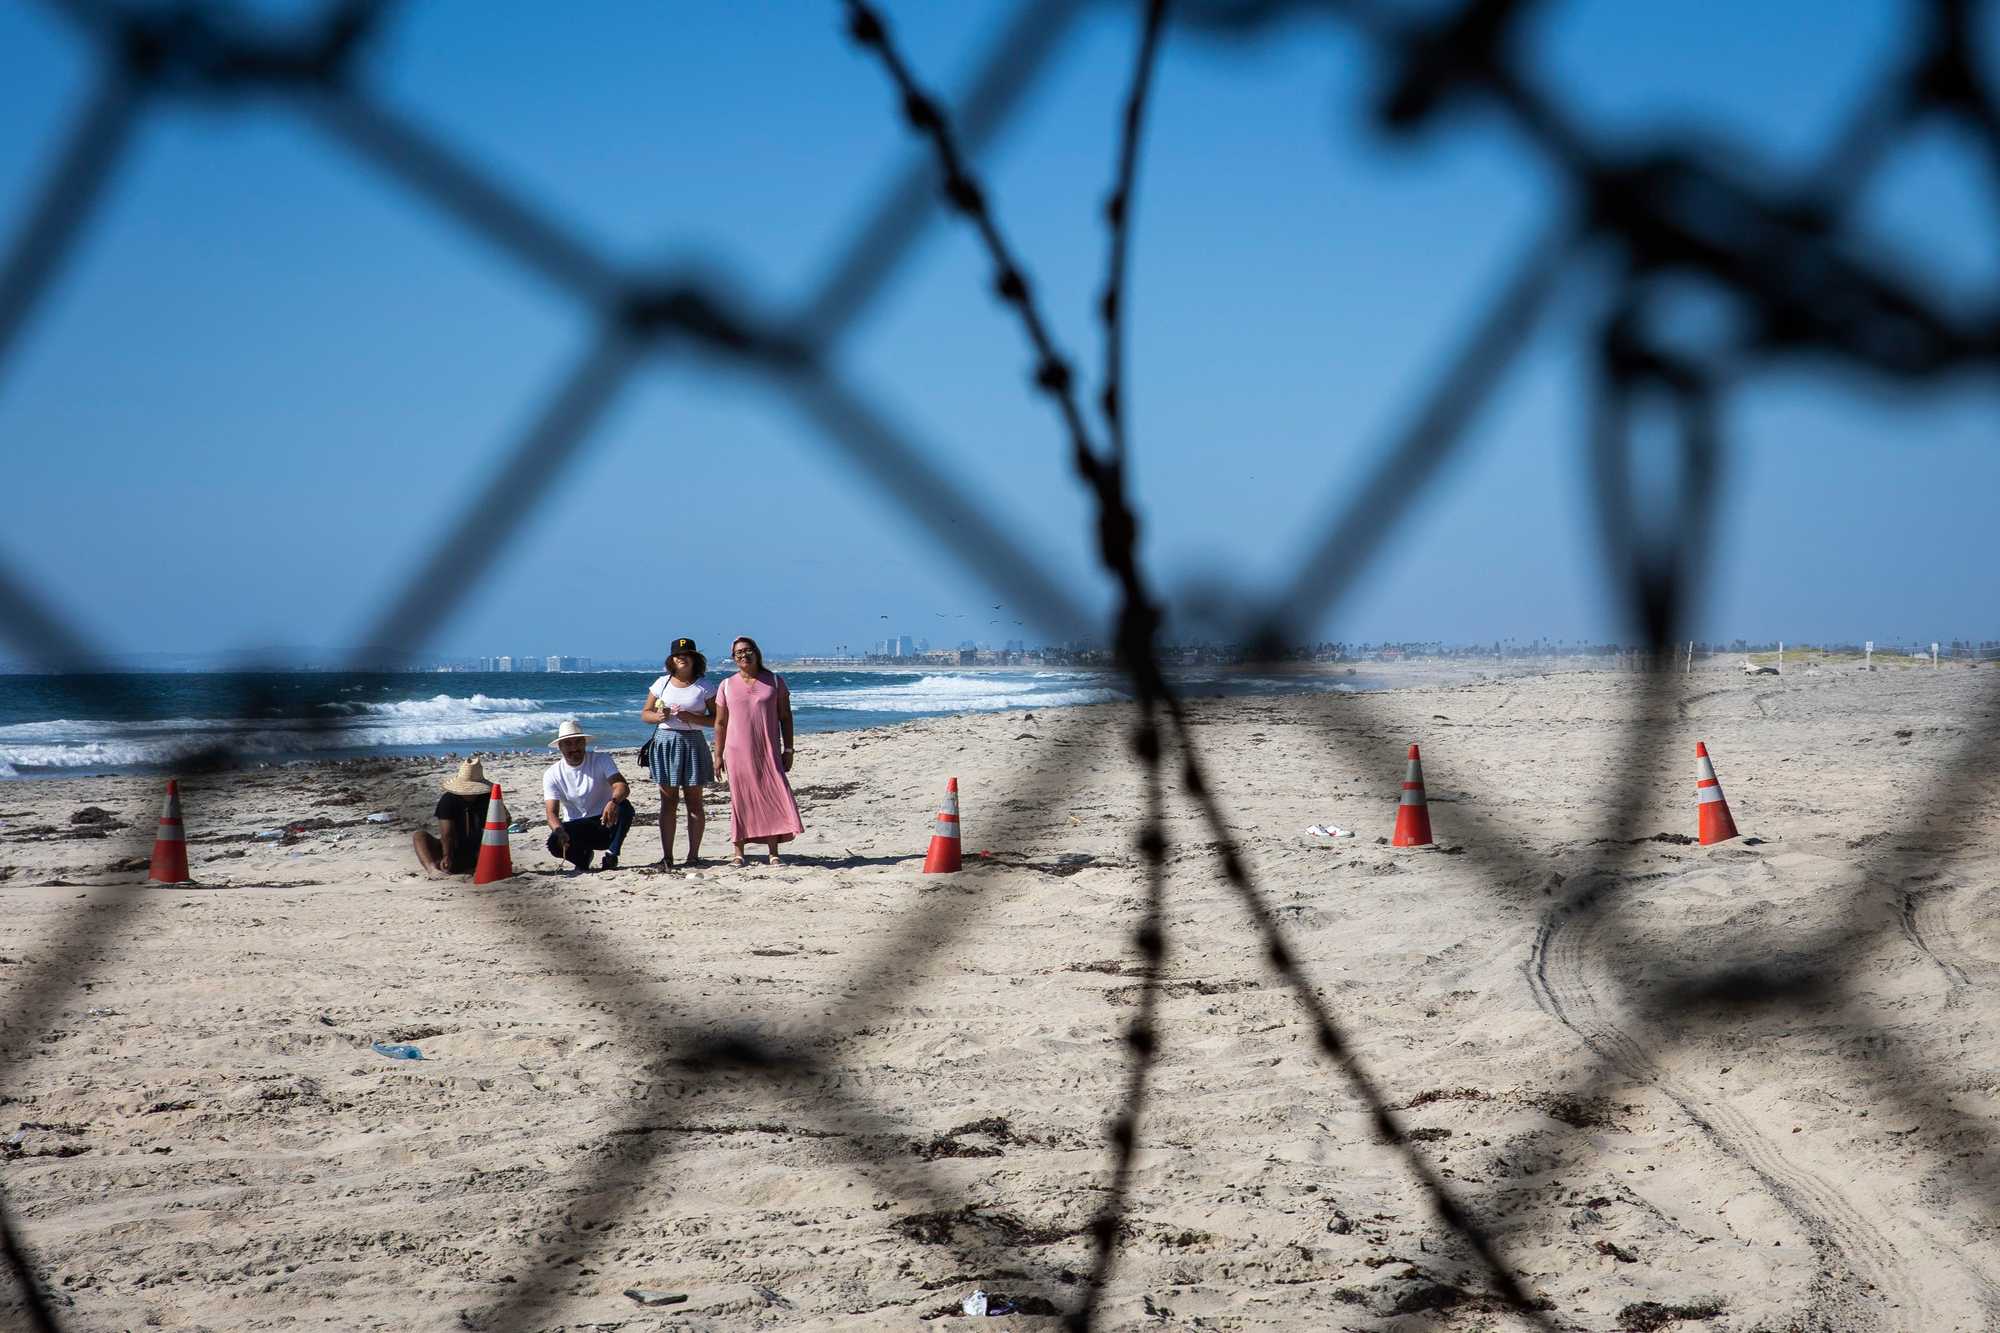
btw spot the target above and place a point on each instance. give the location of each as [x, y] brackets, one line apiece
[198, 1134]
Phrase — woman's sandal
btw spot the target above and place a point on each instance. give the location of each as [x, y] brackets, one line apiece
[736, 860]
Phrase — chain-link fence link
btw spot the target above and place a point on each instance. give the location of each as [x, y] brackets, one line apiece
[1653, 213]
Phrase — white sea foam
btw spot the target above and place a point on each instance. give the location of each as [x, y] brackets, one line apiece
[438, 706]
[443, 720]
[964, 694]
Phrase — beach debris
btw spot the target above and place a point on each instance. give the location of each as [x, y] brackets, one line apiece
[400, 1051]
[980, 1303]
[380, 817]
[91, 814]
[269, 835]
[654, 1296]
[975, 1304]
[1645, 1316]
[1329, 831]
[770, 1297]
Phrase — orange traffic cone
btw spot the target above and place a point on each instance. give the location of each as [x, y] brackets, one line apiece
[1711, 810]
[1413, 817]
[942, 859]
[170, 849]
[496, 856]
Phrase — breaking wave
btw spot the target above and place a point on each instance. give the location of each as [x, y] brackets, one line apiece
[965, 694]
[444, 720]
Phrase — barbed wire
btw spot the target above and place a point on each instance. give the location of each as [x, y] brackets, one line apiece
[1666, 209]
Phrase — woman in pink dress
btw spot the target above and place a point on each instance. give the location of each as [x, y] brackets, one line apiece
[753, 749]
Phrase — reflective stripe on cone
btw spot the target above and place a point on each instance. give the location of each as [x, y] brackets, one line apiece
[1413, 816]
[1713, 822]
[943, 856]
[170, 858]
[496, 854]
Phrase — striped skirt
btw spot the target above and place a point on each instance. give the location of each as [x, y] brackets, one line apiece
[681, 759]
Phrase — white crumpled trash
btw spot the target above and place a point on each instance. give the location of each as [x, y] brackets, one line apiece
[974, 1304]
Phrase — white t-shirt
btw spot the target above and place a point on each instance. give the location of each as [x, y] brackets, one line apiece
[585, 789]
[694, 698]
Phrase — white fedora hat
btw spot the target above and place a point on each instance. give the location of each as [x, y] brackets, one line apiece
[570, 730]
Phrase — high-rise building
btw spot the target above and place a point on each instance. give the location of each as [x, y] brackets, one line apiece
[905, 646]
[504, 664]
[555, 663]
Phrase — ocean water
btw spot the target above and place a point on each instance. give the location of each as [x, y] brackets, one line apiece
[141, 722]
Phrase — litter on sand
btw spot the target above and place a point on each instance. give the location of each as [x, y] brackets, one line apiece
[1329, 831]
[380, 817]
[649, 1296]
[399, 1052]
[979, 1303]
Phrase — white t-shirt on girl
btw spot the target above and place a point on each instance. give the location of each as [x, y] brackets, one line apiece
[694, 698]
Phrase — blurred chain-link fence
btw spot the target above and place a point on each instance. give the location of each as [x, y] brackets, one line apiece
[1657, 215]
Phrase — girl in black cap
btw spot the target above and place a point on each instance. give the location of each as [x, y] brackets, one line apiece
[682, 703]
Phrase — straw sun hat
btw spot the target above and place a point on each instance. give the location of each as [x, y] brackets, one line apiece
[571, 729]
[471, 780]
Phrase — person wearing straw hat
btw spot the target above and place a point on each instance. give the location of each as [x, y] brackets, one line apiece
[461, 820]
[587, 800]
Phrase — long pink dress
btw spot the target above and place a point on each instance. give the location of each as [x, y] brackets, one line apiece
[761, 805]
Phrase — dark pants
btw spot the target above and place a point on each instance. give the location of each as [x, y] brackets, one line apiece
[589, 835]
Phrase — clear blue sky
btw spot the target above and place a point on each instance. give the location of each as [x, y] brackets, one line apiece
[271, 377]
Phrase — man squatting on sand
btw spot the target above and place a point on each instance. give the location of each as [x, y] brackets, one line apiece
[587, 800]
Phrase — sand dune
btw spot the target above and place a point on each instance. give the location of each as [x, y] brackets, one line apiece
[199, 1135]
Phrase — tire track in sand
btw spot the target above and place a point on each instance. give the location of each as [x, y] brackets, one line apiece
[1934, 918]
[1920, 916]
[1956, 927]
[1859, 1267]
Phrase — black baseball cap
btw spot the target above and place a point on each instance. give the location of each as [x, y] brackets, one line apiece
[681, 646]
